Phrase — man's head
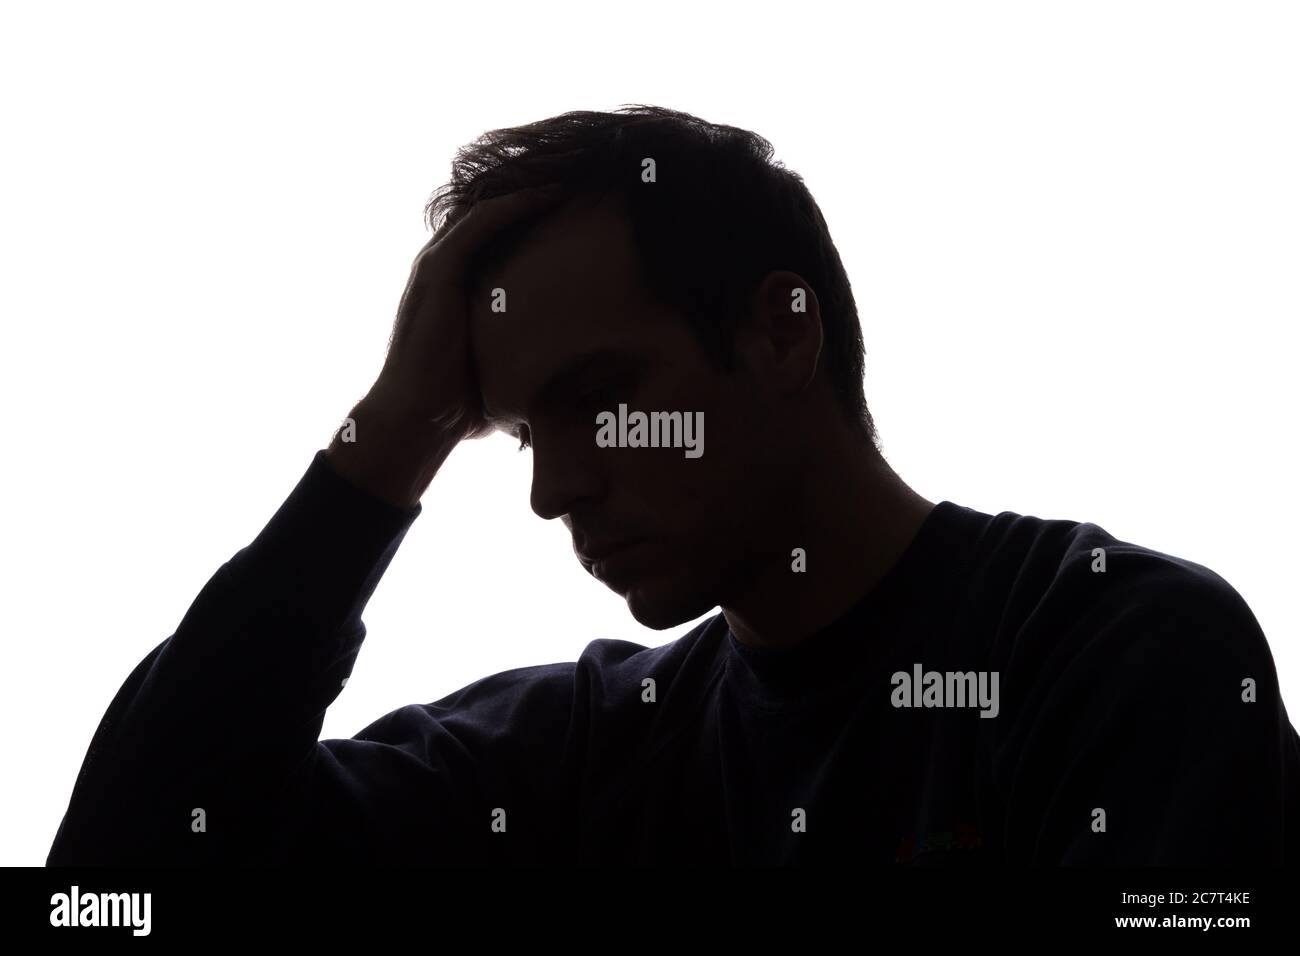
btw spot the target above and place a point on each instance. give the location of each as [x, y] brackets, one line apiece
[676, 294]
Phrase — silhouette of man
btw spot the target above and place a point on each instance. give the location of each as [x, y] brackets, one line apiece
[657, 310]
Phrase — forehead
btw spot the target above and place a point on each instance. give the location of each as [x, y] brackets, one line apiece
[574, 286]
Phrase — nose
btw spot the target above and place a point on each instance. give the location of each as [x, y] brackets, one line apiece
[564, 475]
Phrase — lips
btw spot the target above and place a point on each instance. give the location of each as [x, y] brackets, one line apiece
[619, 564]
[603, 551]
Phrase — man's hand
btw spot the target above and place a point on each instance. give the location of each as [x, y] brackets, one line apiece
[426, 398]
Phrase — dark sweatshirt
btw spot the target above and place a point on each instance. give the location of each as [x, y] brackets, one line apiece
[1123, 726]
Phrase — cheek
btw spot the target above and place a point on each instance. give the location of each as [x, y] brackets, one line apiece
[668, 491]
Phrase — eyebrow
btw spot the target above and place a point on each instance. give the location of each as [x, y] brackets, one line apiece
[568, 375]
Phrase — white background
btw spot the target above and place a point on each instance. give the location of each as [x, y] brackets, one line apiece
[1070, 227]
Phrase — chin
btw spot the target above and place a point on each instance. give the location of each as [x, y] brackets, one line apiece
[662, 606]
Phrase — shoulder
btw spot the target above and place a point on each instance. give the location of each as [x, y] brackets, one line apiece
[1049, 581]
[1131, 680]
[605, 677]
[1081, 620]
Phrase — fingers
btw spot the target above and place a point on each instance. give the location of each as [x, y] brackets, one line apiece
[430, 341]
[453, 249]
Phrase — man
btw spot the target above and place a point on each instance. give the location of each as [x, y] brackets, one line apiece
[665, 322]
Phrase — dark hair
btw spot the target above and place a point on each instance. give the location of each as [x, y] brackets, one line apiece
[720, 215]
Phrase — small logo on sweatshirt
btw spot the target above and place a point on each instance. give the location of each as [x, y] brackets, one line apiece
[963, 836]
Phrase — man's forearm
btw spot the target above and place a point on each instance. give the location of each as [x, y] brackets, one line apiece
[224, 716]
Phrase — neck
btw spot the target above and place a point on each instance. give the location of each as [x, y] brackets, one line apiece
[853, 521]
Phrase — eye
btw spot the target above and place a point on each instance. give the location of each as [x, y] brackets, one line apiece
[600, 395]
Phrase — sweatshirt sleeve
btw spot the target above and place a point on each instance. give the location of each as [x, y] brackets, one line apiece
[209, 752]
[1155, 736]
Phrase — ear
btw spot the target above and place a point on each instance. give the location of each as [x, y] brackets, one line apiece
[781, 337]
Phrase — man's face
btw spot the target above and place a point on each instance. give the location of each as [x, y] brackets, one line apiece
[686, 531]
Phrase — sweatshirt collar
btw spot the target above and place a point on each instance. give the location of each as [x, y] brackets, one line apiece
[833, 656]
